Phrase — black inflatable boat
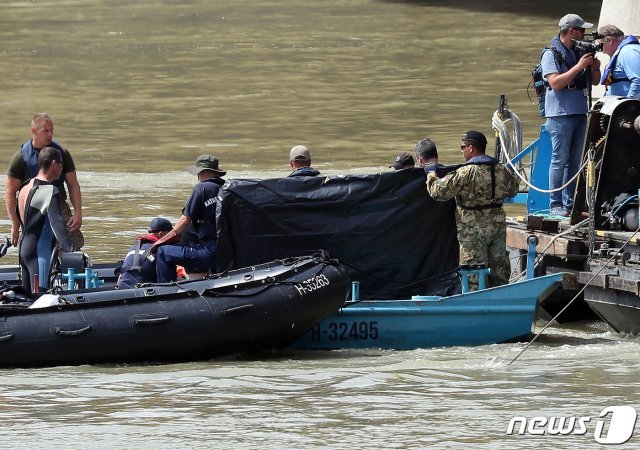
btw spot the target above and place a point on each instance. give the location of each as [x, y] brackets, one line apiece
[247, 310]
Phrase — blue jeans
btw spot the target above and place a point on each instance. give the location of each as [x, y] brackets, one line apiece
[193, 257]
[567, 140]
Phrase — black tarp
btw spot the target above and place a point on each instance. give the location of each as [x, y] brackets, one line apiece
[392, 236]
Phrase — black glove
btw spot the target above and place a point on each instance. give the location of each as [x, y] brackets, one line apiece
[430, 168]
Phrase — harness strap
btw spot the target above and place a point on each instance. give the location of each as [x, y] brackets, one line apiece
[136, 258]
[494, 201]
[493, 184]
[480, 207]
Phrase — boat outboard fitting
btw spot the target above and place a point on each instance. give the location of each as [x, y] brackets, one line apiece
[612, 133]
[621, 212]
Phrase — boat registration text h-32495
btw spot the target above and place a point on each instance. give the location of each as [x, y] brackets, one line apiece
[349, 330]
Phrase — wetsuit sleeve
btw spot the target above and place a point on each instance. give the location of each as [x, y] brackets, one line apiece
[57, 222]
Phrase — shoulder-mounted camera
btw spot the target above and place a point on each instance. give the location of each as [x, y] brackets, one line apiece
[589, 45]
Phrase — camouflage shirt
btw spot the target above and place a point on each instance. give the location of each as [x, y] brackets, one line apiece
[470, 185]
[481, 228]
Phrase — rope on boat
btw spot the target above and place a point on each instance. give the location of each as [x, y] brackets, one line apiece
[511, 146]
[605, 265]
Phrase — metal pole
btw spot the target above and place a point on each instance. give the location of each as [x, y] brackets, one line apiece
[532, 242]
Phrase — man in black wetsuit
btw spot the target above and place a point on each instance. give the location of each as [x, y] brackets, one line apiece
[41, 220]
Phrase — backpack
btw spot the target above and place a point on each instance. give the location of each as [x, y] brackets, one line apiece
[539, 83]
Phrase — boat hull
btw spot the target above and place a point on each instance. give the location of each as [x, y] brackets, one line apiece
[494, 315]
[260, 308]
[619, 309]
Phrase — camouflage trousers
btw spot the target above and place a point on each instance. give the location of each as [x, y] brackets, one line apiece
[485, 244]
[77, 238]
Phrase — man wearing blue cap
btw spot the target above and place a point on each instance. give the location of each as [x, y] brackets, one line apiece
[136, 267]
[569, 76]
[200, 210]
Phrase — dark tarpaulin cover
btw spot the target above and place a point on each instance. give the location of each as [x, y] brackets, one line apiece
[391, 235]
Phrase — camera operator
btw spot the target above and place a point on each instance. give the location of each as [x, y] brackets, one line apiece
[566, 105]
[622, 74]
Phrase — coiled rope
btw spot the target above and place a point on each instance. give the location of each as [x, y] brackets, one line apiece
[511, 145]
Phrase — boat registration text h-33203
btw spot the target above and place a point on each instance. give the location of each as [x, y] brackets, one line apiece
[311, 284]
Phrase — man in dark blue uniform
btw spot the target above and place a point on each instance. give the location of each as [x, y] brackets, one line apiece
[200, 210]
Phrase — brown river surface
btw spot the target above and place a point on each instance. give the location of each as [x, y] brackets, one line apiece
[139, 88]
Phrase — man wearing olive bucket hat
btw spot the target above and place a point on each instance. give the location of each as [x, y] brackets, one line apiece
[200, 210]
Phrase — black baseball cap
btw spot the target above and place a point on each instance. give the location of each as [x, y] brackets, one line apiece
[159, 224]
[475, 136]
[403, 160]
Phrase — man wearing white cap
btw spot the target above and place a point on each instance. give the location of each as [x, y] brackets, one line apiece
[569, 76]
[300, 162]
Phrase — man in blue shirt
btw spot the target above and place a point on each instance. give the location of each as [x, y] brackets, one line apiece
[570, 76]
[622, 74]
[200, 210]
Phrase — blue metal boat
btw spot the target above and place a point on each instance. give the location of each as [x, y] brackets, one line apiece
[488, 316]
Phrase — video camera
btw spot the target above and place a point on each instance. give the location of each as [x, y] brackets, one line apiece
[588, 45]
